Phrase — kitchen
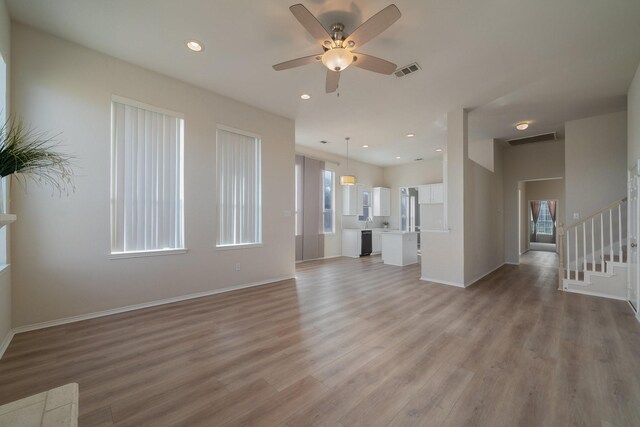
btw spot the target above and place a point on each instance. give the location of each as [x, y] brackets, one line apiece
[397, 246]
[392, 197]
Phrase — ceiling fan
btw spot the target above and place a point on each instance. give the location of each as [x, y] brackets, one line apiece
[339, 47]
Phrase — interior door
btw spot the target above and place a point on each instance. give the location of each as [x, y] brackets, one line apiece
[632, 238]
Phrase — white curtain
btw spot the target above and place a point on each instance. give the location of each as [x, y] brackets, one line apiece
[146, 180]
[239, 192]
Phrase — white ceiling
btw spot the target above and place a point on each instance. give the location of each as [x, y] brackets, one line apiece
[546, 61]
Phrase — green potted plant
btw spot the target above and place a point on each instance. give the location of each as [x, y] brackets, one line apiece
[30, 154]
[385, 224]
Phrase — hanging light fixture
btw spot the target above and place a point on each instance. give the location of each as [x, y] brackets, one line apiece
[347, 179]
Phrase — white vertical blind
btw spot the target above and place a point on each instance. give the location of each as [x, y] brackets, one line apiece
[239, 189]
[147, 201]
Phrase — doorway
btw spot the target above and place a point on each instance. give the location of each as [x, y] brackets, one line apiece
[542, 225]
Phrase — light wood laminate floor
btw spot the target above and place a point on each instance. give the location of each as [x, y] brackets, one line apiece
[351, 342]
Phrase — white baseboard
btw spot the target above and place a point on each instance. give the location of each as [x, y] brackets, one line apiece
[511, 263]
[442, 282]
[481, 276]
[87, 316]
[318, 259]
[6, 342]
[594, 294]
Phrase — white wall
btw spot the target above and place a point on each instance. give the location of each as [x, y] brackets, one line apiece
[443, 252]
[483, 215]
[61, 246]
[633, 121]
[368, 175]
[525, 163]
[482, 152]
[595, 163]
[5, 275]
[408, 175]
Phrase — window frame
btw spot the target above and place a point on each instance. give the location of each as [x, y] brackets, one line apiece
[547, 223]
[332, 210]
[112, 167]
[260, 242]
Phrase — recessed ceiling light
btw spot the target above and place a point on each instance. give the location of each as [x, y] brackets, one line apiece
[305, 96]
[438, 150]
[522, 126]
[194, 45]
[398, 157]
[411, 135]
[365, 146]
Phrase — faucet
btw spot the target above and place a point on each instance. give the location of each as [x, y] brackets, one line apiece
[366, 223]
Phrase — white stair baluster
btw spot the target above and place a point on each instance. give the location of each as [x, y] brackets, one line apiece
[593, 248]
[568, 231]
[602, 241]
[577, 254]
[611, 235]
[620, 231]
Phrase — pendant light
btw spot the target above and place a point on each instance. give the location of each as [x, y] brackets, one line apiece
[347, 179]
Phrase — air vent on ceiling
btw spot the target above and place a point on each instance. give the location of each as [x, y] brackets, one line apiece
[323, 142]
[532, 139]
[407, 69]
[418, 159]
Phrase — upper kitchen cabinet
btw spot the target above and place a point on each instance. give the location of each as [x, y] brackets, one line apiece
[381, 201]
[352, 200]
[431, 194]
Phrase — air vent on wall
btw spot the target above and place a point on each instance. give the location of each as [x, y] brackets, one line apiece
[407, 69]
[532, 139]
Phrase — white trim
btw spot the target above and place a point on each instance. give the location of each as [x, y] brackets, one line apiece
[72, 319]
[594, 294]
[137, 104]
[141, 254]
[481, 276]
[4, 268]
[238, 246]
[6, 342]
[511, 263]
[442, 282]
[321, 258]
[436, 230]
[238, 131]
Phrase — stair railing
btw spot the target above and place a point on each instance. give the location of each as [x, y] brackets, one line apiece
[581, 241]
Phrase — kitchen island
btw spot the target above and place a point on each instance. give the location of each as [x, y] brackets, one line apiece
[399, 248]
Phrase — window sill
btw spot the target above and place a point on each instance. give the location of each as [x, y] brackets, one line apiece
[4, 268]
[329, 234]
[141, 254]
[240, 246]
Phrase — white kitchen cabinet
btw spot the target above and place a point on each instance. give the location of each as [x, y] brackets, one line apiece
[381, 201]
[352, 199]
[351, 242]
[376, 241]
[431, 194]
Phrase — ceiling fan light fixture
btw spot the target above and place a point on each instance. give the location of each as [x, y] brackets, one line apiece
[337, 59]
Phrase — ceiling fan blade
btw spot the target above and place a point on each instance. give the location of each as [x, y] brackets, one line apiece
[333, 77]
[297, 62]
[374, 64]
[374, 26]
[311, 24]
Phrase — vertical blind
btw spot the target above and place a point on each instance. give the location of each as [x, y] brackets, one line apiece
[147, 202]
[239, 188]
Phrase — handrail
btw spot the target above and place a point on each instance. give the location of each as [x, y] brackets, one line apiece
[611, 206]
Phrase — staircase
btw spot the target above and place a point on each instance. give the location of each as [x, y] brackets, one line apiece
[593, 253]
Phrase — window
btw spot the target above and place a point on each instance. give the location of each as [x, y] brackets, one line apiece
[147, 195]
[366, 207]
[328, 201]
[239, 188]
[545, 223]
[3, 181]
[299, 194]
